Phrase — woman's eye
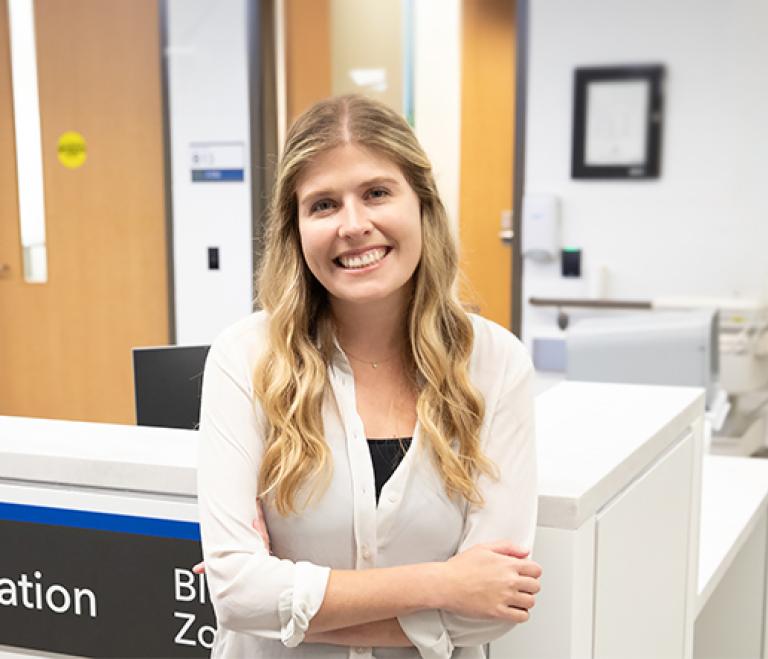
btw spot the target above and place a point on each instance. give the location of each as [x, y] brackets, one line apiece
[378, 193]
[321, 206]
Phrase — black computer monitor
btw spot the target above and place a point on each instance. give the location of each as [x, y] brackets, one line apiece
[168, 383]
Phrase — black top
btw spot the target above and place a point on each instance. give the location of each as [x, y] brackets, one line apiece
[386, 454]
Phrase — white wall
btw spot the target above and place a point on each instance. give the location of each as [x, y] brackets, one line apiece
[702, 227]
[208, 96]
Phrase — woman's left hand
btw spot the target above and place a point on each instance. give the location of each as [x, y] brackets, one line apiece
[258, 524]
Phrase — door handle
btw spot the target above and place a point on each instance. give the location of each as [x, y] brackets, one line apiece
[506, 233]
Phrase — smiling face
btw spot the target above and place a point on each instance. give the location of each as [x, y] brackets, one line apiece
[360, 225]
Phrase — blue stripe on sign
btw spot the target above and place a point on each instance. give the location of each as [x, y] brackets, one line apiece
[218, 175]
[162, 528]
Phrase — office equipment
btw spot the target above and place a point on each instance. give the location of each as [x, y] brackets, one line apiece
[743, 368]
[168, 383]
[672, 348]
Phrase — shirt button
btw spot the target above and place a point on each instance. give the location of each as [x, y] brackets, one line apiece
[393, 498]
[361, 650]
[365, 552]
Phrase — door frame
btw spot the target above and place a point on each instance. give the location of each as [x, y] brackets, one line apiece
[518, 179]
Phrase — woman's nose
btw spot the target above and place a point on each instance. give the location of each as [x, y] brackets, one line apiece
[354, 221]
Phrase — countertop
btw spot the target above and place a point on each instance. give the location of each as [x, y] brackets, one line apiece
[593, 439]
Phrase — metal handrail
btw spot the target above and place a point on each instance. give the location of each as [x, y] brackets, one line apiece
[589, 303]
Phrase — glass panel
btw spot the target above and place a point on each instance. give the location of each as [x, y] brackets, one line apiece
[371, 51]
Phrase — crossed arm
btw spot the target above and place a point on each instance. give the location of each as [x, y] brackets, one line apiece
[378, 633]
[381, 633]
[343, 589]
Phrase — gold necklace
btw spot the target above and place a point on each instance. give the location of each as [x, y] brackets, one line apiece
[374, 364]
[397, 394]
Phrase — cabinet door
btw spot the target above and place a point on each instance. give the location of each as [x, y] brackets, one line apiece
[641, 575]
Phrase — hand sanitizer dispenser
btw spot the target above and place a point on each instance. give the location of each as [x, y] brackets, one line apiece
[541, 227]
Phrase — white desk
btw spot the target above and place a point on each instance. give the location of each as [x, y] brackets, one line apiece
[608, 454]
[116, 457]
[106, 510]
[732, 567]
[620, 469]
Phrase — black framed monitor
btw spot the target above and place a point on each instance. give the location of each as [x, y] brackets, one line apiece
[168, 384]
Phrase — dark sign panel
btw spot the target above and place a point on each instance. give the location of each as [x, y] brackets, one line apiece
[98, 584]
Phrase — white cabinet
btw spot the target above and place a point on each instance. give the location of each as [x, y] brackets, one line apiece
[618, 526]
[641, 563]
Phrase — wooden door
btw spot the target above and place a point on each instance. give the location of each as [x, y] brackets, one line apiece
[307, 54]
[487, 149]
[65, 345]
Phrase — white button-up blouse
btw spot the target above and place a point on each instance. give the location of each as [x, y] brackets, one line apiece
[264, 602]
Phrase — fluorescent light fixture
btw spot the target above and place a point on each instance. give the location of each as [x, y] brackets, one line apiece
[29, 154]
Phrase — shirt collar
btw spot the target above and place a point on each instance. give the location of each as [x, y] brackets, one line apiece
[339, 358]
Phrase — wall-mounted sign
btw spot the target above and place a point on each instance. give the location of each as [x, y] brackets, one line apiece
[71, 149]
[215, 162]
[101, 584]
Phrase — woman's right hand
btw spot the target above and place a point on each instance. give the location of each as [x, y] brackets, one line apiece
[491, 580]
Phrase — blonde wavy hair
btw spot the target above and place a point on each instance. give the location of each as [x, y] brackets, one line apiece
[290, 379]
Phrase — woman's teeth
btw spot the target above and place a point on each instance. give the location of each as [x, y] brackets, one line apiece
[362, 260]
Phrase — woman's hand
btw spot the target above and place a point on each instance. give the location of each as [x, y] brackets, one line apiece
[258, 523]
[492, 580]
[261, 526]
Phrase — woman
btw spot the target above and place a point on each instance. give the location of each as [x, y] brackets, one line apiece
[386, 435]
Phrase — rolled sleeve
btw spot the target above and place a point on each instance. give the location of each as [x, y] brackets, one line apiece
[299, 604]
[428, 633]
[251, 591]
[509, 513]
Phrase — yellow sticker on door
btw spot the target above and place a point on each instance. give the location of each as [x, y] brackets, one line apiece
[71, 149]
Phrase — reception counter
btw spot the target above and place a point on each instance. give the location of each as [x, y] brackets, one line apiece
[98, 532]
